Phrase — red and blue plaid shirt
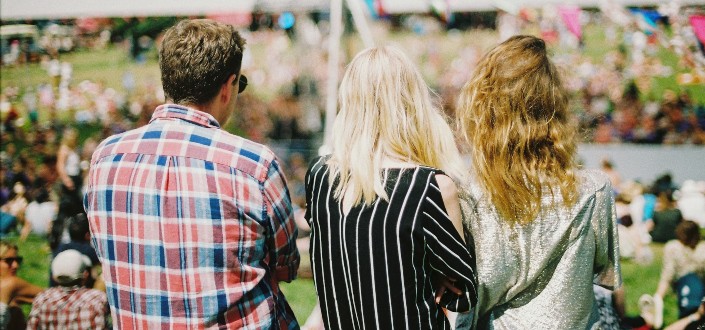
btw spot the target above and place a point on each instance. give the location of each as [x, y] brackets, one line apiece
[69, 308]
[193, 226]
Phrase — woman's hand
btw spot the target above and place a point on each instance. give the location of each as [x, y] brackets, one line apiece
[443, 283]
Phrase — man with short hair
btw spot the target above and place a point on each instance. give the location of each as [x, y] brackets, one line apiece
[193, 225]
[70, 305]
[79, 233]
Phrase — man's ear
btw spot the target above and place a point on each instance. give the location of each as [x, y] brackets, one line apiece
[226, 90]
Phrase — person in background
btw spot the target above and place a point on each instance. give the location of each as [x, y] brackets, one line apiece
[666, 218]
[71, 305]
[544, 232]
[193, 225]
[13, 212]
[69, 171]
[695, 321]
[42, 208]
[615, 178]
[80, 235]
[383, 210]
[13, 289]
[684, 268]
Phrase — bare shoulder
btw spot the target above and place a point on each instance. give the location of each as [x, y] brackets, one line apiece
[447, 186]
[449, 192]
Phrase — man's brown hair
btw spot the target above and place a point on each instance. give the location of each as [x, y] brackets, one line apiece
[196, 57]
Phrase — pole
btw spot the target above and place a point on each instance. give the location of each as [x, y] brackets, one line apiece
[360, 22]
[336, 29]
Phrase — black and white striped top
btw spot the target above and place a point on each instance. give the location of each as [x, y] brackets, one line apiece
[372, 267]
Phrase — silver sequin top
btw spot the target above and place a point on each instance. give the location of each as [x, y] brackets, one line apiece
[540, 275]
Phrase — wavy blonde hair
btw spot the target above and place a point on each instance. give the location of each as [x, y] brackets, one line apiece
[386, 110]
[514, 114]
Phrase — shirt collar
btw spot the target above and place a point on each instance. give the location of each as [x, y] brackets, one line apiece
[184, 113]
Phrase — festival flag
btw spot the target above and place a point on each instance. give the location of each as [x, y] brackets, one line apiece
[646, 19]
[698, 24]
[376, 8]
[571, 19]
[441, 8]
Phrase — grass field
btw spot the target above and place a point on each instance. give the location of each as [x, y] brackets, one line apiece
[638, 279]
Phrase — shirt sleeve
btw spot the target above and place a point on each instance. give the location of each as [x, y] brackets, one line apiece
[282, 232]
[668, 270]
[448, 256]
[604, 221]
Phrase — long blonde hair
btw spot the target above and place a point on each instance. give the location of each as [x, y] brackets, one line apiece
[386, 110]
[513, 112]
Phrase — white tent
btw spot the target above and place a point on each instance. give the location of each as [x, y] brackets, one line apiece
[40, 9]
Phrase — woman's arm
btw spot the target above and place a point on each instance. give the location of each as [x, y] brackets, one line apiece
[449, 191]
[61, 157]
[668, 270]
[24, 292]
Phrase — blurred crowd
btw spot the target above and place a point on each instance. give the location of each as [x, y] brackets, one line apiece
[50, 130]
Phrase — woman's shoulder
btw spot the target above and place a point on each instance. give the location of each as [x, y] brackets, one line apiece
[673, 245]
[591, 181]
[318, 162]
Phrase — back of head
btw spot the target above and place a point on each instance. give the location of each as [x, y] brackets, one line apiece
[387, 110]
[196, 57]
[688, 233]
[70, 137]
[78, 227]
[68, 267]
[513, 112]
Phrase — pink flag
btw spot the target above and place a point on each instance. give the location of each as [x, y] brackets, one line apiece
[698, 23]
[571, 18]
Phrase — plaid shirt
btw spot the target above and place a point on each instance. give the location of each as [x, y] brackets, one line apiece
[69, 308]
[193, 226]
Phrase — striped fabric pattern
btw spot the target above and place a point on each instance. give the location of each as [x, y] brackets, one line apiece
[373, 267]
[193, 226]
[69, 308]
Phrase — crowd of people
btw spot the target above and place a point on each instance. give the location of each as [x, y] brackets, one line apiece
[196, 227]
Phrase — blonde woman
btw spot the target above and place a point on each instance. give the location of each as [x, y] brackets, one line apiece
[383, 209]
[69, 169]
[13, 289]
[544, 231]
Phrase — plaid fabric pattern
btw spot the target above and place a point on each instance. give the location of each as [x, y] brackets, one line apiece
[193, 226]
[69, 308]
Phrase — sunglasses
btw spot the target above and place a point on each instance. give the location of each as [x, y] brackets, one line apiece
[11, 260]
[242, 84]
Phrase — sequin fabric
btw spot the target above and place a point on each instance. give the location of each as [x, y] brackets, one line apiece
[540, 275]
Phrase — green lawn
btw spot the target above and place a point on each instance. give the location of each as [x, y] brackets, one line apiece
[106, 66]
[638, 279]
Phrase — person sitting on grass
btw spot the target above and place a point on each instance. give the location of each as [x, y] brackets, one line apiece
[79, 232]
[71, 305]
[684, 268]
[13, 289]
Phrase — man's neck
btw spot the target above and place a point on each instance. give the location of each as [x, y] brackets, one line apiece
[214, 111]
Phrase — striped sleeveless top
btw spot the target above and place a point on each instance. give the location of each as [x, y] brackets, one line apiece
[373, 267]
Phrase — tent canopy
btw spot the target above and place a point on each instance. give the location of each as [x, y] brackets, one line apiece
[42, 9]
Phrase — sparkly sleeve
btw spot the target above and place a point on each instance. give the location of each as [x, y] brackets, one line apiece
[447, 254]
[604, 221]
